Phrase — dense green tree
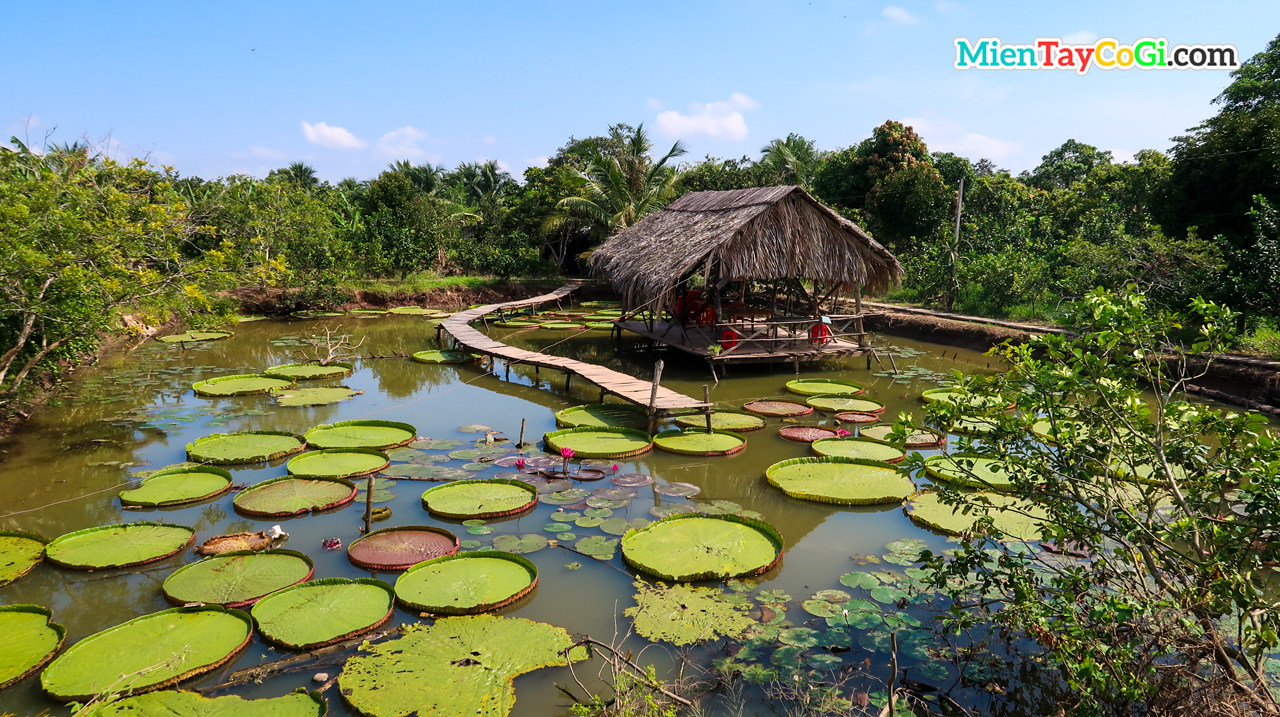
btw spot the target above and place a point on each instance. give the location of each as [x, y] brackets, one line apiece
[1068, 164]
[953, 168]
[716, 174]
[300, 173]
[846, 176]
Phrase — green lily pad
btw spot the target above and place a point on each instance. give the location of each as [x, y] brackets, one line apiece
[30, 640]
[969, 470]
[679, 490]
[843, 481]
[20, 553]
[587, 522]
[488, 498]
[919, 437]
[599, 442]
[421, 471]
[619, 526]
[337, 463]
[515, 324]
[418, 311]
[527, 543]
[724, 420]
[244, 447]
[823, 387]
[236, 579]
[178, 486]
[865, 448]
[799, 637]
[118, 546]
[1016, 518]
[597, 512]
[480, 529]
[310, 371]
[148, 653]
[458, 666]
[700, 547]
[770, 408]
[474, 428]
[846, 404]
[467, 583]
[565, 497]
[323, 612]
[602, 415]
[865, 581]
[608, 504]
[193, 337]
[401, 548]
[378, 435]
[959, 398]
[441, 356]
[173, 703]
[282, 497]
[684, 615]
[315, 396]
[697, 442]
[242, 385]
[597, 546]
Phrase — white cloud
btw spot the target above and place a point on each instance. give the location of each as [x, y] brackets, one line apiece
[266, 152]
[331, 137]
[403, 144]
[1123, 156]
[950, 136]
[947, 7]
[653, 103]
[720, 120]
[488, 139]
[899, 16]
[1084, 37]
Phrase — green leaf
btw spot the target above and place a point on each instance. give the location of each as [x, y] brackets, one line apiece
[236, 579]
[30, 639]
[865, 581]
[361, 434]
[528, 543]
[118, 546]
[684, 615]
[20, 553]
[467, 582]
[698, 547]
[322, 612]
[282, 497]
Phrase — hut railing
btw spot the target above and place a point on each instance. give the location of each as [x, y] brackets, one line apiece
[782, 332]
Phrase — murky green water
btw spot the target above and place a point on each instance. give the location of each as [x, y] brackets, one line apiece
[61, 472]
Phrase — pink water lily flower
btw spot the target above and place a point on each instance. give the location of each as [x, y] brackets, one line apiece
[566, 453]
[520, 463]
[614, 467]
[842, 433]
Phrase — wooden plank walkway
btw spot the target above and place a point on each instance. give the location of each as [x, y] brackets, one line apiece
[621, 385]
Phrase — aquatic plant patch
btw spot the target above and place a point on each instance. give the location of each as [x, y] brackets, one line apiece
[685, 615]
[956, 397]
[446, 356]
[679, 490]
[692, 547]
[244, 447]
[236, 579]
[969, 470]
[777, 409]
[313, 396]
[599, 442]
[855, 417]
[378, 435]
[489, 498]
[848, 404]
[242, 385]
[1016, 518]
[176, 703]
[188, 337]
[177, 486]
[148, 653]
[20, 553]
[601, 415]
[118, 546]
[858, 447]
[723, 420]
[919, 437]
[322, 612]
[30, 640]
[467, 583]
[823, 387]
[283, 497]
[697, 442]
[401, 548]
[310, 371]
[842, 481]
[337, 463]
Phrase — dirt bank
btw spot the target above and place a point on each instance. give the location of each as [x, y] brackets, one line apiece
[274, 301]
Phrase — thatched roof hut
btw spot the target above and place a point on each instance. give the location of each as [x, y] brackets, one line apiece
[765, 233]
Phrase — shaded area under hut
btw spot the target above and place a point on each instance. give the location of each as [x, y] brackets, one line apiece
[747, 275]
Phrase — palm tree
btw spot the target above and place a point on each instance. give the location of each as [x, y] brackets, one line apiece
[619, 187]
[792, 160]
[483, 182]
[301, 174]
[426, 178]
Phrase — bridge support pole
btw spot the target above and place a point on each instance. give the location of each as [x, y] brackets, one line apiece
[653, 397]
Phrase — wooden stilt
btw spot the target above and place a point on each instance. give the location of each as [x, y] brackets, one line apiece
[521, 443]
[368, 504]
[653, 397]
[706, 398]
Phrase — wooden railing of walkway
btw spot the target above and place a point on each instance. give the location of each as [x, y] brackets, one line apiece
[659, 400]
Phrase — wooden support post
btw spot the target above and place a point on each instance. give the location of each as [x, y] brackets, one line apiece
[508, 368]
[893, 363]
[567, 378]
[869, 361]
[368, 504]
[521, 443]
[706, 398]
[653, 397]
[877, 357]
[602, 395]
[713, 372]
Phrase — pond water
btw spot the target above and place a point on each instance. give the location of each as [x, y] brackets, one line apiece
[61, 472]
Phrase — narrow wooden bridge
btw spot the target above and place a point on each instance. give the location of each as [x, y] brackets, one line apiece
[659, 400]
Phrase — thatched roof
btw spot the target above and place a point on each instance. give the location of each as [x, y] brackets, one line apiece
[762, 233]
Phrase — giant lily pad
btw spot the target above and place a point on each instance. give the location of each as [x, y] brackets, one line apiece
[602, 415]
[467, 583]
[723, 420]
[379, 435]
[310, 371]
[282, 497]
[607, 442]
[178, 485]
[697, 442]
[244, 447]
[515, 324]
[118, 546]
[956, 397]
[806, 434]
[20, 553]
[237, 579]
[969, 470]
[401, 548]
[323, 612]
[458, 666]
[684, 615]
[777, 409]
[865, 448]
[188, 337]
[242, 385]
[175, 703]
[447, 356]
[489, 498]
[1016, 518]
[847, 404]
[337, 463]
[691, 547]
[419, 311]
[823, 387]
[148, 653]
[30, 640]
[421, 471]
[843, 481]
[919, 437]
[680, 490]
[314, 396]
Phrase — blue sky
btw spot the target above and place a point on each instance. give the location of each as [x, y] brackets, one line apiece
[239, 87]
